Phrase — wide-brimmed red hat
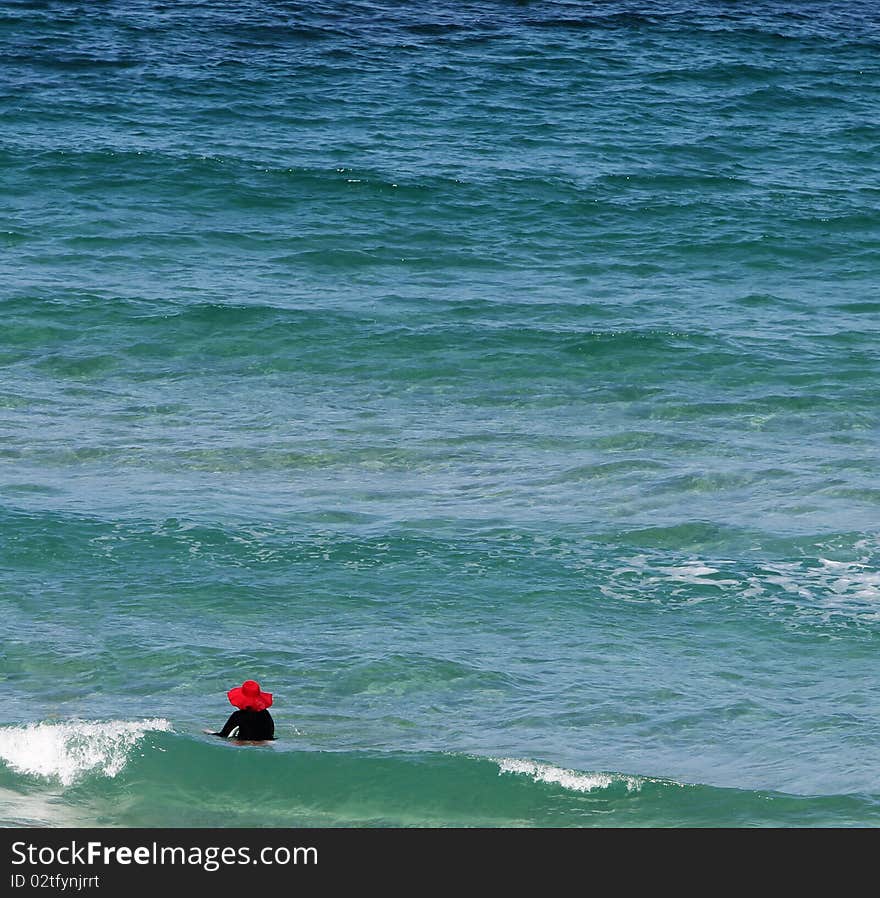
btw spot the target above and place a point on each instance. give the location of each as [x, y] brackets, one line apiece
[248, 696]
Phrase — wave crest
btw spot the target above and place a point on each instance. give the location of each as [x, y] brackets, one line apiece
[70, 750]
[572, 780]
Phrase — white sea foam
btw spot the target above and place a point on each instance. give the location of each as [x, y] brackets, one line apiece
[820, 587]
[69, 750]
[849, 588]
[572, 780]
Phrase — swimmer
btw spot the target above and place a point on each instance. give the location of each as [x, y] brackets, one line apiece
[253, 721]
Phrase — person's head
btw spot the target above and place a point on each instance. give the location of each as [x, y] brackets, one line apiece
[249, 697]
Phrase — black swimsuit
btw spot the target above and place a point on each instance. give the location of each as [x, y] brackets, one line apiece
[253, 726]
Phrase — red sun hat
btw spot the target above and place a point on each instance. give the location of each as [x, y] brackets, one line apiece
[248, 696]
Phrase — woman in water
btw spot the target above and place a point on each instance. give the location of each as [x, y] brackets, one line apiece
[253, 721]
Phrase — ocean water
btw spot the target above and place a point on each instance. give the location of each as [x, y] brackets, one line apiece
[497, 383]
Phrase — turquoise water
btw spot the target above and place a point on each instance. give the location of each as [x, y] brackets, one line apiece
[496, 383]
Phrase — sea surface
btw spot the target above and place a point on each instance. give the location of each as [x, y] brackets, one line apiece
[496, 383]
